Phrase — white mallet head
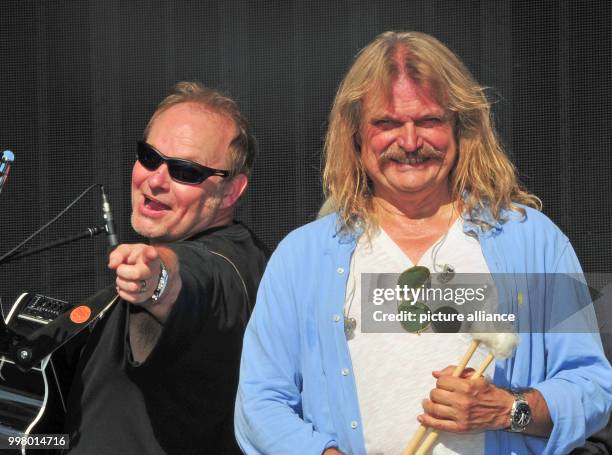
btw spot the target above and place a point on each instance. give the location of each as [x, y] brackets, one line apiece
[500, 344]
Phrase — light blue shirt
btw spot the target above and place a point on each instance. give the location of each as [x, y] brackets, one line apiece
[297, 391]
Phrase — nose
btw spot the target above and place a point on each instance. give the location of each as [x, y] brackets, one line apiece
[159, 179]
[408, 139]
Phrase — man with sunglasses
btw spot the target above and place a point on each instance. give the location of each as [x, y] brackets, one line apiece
[415, 176]
[159, 372]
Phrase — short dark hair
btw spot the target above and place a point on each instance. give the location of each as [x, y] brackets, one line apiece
[243, 147]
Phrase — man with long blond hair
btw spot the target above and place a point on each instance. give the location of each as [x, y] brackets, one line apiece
[415, 176]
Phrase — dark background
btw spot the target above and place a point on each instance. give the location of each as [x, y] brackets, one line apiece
[79, 79]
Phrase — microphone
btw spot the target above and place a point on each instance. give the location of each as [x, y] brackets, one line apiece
[111, 234]
[5, 166]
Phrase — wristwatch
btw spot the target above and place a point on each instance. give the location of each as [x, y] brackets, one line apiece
[161, 284]
[520, 414]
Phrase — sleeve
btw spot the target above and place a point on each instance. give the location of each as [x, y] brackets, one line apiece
[578, 388]
[268, 406]
[201, 286]
[188, 382]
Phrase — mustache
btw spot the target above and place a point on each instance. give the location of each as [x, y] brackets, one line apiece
[396, 153]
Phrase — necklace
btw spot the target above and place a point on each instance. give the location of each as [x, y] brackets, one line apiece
[445, 273]
[350, 324]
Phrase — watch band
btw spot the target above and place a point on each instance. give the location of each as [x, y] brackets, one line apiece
[161, 284]
[520, 414]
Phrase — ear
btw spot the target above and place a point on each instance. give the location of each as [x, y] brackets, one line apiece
[233, 190]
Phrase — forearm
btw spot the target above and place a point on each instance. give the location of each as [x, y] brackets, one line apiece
[268, 426]
[146, 326]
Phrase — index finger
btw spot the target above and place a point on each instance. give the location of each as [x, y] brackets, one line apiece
[118, 256]
[452, 384]
[141, 253]
[450, 371]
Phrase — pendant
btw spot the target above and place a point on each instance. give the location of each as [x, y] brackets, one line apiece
[447, 274]
[350, 324]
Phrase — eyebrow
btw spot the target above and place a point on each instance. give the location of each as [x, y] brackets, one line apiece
[382, 116]
[378, 116]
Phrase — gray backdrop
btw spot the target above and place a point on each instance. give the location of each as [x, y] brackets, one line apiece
[79, 80]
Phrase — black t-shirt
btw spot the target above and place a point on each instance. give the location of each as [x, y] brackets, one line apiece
[181, 399]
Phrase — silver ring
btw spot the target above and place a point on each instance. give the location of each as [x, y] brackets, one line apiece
[143, 286]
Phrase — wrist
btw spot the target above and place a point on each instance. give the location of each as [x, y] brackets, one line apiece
[520, 412]
[504, 416]
[162, 282]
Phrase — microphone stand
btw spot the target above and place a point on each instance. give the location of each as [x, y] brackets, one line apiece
[89, 232]
[27, 346]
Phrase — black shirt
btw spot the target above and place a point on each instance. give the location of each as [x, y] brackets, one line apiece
[180, 400]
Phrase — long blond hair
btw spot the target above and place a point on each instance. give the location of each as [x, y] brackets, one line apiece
[483, 175]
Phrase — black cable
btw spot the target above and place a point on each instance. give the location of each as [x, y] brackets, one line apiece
[89, 232]
[57, 217]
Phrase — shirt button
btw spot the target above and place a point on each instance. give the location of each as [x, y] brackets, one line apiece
[354, 424]
[345, 371]
[340, 270]
[336, 317]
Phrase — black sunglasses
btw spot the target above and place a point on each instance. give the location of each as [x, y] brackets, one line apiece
[182, 171]
[414, 277]
[418, 277]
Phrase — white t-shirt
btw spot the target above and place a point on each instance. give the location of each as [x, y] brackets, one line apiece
[393, 370]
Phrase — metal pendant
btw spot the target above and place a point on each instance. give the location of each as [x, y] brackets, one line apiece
[447, 274]
[350, 324]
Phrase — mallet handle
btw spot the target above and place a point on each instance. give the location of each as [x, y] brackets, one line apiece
[431, 437]
[421, 430]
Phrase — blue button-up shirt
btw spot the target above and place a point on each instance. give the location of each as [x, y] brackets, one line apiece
[297, 392]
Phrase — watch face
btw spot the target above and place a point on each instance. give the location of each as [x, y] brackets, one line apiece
[522, 415]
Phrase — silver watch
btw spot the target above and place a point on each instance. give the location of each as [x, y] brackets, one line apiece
[161, 284]
[520, 414]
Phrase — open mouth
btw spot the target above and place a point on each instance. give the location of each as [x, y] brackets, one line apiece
[152, 204]
[410, 158]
